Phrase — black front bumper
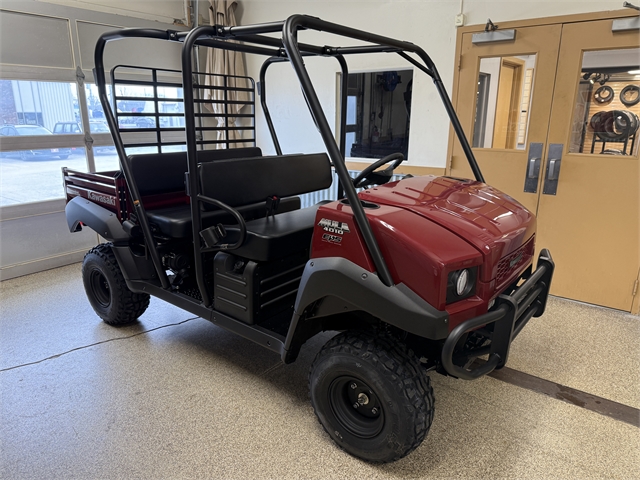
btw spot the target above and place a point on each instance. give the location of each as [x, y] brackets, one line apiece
[500, 326]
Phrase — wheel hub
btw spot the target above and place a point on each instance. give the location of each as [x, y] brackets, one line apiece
[100, 288]
[356, 406]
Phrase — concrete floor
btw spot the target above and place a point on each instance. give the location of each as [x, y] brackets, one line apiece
[176, 397]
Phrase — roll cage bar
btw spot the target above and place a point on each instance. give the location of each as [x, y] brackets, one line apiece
[286, 48]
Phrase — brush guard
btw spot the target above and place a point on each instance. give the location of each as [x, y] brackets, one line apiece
[500, 326]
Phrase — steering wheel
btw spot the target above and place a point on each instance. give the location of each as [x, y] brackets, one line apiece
[369, 177]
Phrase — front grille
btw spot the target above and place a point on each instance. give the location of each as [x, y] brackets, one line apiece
[514, 261]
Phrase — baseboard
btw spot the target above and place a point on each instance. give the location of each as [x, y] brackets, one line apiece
[35, 266]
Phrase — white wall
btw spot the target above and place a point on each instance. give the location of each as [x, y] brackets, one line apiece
[427, 23]
[160, 10]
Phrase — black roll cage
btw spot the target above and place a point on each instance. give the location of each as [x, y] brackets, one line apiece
[286, 48]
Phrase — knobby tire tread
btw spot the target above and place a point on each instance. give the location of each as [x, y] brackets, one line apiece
[391, 357]
[130, 305]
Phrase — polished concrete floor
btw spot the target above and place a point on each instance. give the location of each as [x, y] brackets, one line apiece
[173, 396]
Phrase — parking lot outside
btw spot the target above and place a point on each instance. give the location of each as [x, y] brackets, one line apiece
[39, 178]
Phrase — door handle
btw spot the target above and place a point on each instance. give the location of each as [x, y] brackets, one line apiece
[554, 169]
[554, 160]
[533, 168]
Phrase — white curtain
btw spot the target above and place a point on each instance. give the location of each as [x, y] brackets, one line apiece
[225, 62]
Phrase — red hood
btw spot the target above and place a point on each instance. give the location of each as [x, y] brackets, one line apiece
[488, 219]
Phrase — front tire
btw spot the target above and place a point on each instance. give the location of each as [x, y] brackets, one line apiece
[371, 395]
[107, 290]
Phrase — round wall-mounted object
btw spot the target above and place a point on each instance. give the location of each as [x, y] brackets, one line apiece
[630, 95]
[603, 94]
[613, 125]
[596, 122]
[626, 120]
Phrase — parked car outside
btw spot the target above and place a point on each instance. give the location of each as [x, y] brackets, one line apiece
[97, 126]
[136, 122]
[33, 130]
[67, 128]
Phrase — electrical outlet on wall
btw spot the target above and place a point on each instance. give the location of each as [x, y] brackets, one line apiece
[460, 20]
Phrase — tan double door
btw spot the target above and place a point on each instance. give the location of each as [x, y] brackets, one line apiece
[528, 107]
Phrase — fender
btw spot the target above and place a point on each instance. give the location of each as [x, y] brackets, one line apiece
[334, 285]
[99, 219]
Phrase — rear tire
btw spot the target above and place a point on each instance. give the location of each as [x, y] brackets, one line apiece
[107, 290]
[385, 380]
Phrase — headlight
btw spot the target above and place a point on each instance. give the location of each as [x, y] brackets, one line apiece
[461, 284]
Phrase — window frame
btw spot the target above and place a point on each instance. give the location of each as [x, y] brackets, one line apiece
[80, 75]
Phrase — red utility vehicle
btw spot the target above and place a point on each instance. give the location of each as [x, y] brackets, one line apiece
[424, 273]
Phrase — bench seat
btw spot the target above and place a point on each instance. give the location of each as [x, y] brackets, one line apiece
[160, 173]
[244, 180]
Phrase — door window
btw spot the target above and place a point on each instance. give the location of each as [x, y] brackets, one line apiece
[503, 102]
[605, 116]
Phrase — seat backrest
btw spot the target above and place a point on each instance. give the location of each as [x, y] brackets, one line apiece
[243, 181]
[157, 173]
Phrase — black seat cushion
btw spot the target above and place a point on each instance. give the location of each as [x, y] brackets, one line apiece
[175, 221]
[277, 236]
[157, 173]
[245, 184]
[243, 181]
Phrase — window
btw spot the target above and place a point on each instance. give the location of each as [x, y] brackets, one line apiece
[484, 80]
[378, 113]
[607, 109]
[503, 101]
[132, 98]
[37, 119]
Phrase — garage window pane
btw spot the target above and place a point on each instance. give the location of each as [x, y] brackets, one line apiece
[36, 175]
[51, 105]
[37, 121]
[96, 114]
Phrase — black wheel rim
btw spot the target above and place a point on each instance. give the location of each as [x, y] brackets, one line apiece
[100, 288]
[630, 95]
[356, 407]
[604, 94]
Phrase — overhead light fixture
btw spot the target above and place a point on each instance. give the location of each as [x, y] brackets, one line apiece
[634, 72]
